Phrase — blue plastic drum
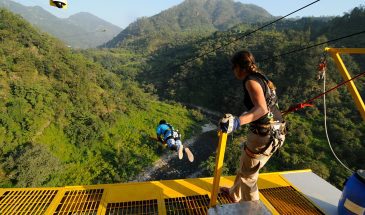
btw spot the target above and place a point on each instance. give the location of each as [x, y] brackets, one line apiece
[353, 195]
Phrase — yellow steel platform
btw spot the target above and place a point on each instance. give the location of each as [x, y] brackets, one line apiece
[183, 196]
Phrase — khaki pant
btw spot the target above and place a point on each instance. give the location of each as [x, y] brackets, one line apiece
[245, 184]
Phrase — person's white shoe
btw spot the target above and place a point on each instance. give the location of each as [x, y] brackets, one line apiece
[180, 152]
[190, 155]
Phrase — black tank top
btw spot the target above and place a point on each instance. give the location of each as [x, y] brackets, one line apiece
[260, 78]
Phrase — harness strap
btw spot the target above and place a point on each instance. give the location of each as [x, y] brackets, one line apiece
[172, 135]
[262, 130]
[164, 133]
[272, 99]
[252, 154]
[275, 141]
[169, 137]
[270, 96]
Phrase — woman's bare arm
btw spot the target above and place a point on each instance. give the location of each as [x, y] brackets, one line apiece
[258, 99]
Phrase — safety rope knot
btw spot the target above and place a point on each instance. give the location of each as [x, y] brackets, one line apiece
[297, 107]
[309, 102]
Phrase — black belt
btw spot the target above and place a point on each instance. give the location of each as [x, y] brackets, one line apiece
[169, 137]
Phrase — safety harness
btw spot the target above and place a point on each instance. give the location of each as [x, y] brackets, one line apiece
[175, 134]
[271, 102]
[275, 129]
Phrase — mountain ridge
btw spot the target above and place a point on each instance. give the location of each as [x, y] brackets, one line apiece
[202, 16]
[87, 36]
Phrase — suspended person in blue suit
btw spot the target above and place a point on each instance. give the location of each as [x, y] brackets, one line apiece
[166, 134]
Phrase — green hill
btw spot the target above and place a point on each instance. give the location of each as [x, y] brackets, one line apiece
[207, 81]
[191, 19]
[81, 30]
[79, 117]
[65, 120]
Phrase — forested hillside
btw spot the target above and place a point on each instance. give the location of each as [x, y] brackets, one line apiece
[84, 117]
[207, 81]
[188, 20]
[65, 120]
[81, 30]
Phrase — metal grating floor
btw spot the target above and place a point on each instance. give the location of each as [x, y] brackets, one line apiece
[187, 205]
[133, 207]
[132, 199]
[223, 199]
[26, 202]
[287, 200]
[80, 202]
[198, 204]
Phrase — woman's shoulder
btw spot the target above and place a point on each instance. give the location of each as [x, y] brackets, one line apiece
[256, 76]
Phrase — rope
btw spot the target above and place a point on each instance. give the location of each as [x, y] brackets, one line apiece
[247, 34]
[325, 125]
[309, 102]
[238, 38]
[158, 75]
[314, 45]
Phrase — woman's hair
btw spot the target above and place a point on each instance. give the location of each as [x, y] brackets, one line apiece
[243, 59]
[162, 121]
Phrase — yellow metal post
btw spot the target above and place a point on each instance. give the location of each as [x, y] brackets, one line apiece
[218, 167]
[335, 54]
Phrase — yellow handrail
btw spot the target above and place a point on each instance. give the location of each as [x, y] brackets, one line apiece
[218, 167]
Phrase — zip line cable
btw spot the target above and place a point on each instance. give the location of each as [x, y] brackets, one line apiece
[314, 45]
[241, 37]
[325, 125]
[247, 34]
[286, 53]
[309, 102]
[270, 23]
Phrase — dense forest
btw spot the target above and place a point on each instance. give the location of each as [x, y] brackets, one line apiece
[65, 120]
[180, 75]
[84, 117]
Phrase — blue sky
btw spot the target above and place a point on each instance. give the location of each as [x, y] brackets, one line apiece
[124, 12]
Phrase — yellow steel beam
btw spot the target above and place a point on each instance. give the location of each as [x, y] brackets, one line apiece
[161, 206]
[103, 203]
[56, 201]
[218, 167]
[347, 50]
[335, 54]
